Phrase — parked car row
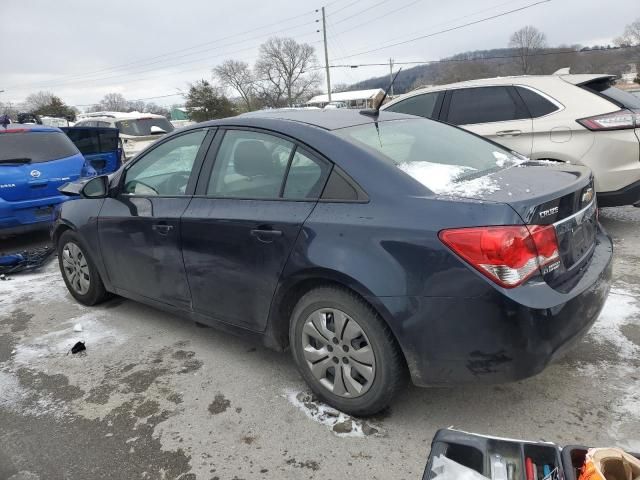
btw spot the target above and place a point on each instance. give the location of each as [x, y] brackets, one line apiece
[137, 130]
[580, 119]
[376, 247]
[36, 159]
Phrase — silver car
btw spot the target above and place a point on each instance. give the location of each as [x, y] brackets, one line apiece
[581, 119]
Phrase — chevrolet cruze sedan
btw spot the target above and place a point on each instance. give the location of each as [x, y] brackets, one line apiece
[375, 247]
[582, 119]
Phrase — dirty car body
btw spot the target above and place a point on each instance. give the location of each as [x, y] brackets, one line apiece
[241, 262]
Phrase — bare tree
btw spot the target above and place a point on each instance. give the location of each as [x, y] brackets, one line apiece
[527, 41]
[286, 72]
[631, 35]
[38, 100]
[238, 76]
[136, 106]
[114, 102]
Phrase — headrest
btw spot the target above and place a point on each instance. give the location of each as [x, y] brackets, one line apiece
[251, 158]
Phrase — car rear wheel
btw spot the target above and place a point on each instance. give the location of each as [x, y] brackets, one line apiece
[78, 271]
[345, 352]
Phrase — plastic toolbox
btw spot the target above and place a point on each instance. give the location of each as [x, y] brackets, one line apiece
[478, 452]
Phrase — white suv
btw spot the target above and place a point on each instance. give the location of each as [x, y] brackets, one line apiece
[580, 119]
[137, 130]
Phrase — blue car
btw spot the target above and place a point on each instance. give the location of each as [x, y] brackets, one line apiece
[34, 161]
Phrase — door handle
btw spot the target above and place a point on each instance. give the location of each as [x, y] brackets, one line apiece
[266, 234]
[509, 133]
[162, 228]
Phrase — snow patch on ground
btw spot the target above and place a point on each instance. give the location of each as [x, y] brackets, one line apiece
[16, 398]
[96, 331]
[338, 422]
[442, 178]
[621, 308]
[41, 287]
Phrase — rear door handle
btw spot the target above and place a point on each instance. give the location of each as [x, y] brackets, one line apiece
[509, 133]
[266, 234]
[162, 228]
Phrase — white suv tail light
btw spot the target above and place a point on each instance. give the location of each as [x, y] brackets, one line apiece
[620, 120]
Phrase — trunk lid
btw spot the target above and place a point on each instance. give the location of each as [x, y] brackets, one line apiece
[29, 181]
[551, 193]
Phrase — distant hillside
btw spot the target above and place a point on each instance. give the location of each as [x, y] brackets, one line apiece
[503, 62]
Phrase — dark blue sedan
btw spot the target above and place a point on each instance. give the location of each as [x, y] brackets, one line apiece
[376, 248]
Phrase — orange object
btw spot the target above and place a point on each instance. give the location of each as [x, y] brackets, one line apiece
[610, 464]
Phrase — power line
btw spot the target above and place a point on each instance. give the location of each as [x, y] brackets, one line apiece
[428, 62]
[502, 14]
[253, 47]
[369, 8]
[380, 16]
[168, 54]
[480, 59]
[342, 8]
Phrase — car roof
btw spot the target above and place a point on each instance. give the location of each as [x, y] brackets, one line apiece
[118, 116]
[533, 80]
[31, 127]
[332, 119]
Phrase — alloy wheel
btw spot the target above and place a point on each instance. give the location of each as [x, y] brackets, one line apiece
[76, 268]
[338, 353]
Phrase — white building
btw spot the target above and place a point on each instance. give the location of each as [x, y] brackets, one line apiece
[353, 99]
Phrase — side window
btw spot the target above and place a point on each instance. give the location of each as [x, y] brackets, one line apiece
[483, 105]
[86, 140]
[108, 140]
[165, 170]
[250, 165]
[103, 124]
[536, 103]
[306, 176]
[421, 105]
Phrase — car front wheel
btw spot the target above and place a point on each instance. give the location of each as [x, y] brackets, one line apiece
[78, 271]
[345, 352]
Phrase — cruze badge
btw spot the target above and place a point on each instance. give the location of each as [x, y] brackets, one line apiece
[587, 195]
[35, 173]
[546, 213]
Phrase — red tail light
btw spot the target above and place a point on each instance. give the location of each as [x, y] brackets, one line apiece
[620, 120]
[14, 130]
[507, 255]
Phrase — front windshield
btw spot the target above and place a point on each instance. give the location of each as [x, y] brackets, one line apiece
[142, 126]
[435, 154]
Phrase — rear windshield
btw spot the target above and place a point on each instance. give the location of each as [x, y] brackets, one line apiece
[604, 87]
[142, 126]
[435, 154]
[35, 147]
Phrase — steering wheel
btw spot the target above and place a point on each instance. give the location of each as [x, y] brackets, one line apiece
[131, 187]
[176, 183]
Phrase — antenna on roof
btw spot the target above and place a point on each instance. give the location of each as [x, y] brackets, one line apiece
[374, 112]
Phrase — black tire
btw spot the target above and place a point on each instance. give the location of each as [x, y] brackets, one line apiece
[96, 292]
[390, 369]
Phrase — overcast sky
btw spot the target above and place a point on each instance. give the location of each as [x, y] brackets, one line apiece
[81, 49]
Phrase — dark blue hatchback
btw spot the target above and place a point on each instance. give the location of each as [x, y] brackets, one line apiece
[375, 248]
[34, 161]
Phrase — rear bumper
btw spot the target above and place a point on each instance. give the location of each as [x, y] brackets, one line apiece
[629, 195]
[25, 215]
[498, 336]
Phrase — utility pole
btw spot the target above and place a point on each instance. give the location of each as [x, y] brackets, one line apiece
[326, 53]
[391, 75]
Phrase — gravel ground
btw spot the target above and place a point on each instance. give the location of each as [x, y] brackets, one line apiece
[156, 396]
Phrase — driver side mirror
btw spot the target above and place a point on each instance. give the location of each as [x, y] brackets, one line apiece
[97, 187]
